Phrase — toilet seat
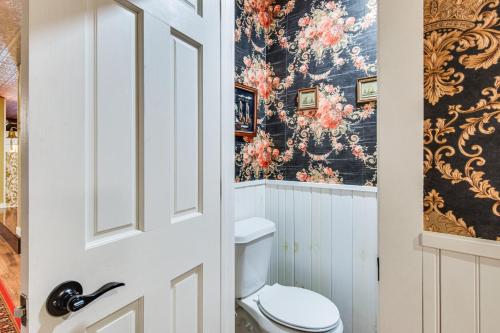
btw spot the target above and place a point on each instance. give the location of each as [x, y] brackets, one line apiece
[299, 309]
[267, 324]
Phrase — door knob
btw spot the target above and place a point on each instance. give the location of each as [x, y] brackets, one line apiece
[67, 297]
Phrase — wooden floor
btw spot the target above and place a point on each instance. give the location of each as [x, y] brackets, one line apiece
[10, 270]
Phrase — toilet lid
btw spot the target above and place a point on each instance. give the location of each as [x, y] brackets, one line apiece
[299, 308]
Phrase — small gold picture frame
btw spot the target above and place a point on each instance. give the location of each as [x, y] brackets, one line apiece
[366, 89]
[307, 99]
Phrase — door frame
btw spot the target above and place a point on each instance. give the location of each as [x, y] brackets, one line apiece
[227, 166]
[400, 164]
[399, 171]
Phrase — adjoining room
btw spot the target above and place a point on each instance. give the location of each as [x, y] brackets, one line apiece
[306, 166]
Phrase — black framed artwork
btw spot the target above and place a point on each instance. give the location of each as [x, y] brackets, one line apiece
[245, 110]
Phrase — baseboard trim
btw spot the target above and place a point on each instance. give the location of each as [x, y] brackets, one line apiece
[12, 239]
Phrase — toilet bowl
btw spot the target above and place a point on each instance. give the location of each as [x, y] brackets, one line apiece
[280, 309]
[276, 308]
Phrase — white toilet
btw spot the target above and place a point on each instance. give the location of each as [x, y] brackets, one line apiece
[276, 308]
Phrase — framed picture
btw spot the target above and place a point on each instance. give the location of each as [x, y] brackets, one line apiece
[245, 110]
[366, 90]
[307, 99]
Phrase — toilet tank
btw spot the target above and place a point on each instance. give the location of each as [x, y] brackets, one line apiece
[254, 240]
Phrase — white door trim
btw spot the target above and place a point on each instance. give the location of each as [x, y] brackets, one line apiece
[227, 166]
[400, 173]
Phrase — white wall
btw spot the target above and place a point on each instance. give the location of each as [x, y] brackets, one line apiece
[326, 241]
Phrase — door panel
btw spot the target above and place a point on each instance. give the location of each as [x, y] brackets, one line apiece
[187, 302]
[126, 320]
[186, 75]
[134, 109]
[113, 122]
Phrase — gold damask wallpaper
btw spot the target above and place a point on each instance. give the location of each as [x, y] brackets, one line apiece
[462, 117]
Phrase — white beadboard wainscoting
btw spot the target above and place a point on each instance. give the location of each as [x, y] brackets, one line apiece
[326, 241]
[461, 278]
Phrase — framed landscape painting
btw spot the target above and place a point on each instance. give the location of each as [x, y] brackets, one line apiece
[307, 99]
[366, 90]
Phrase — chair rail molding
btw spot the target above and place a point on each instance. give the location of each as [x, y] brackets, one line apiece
[467, 245]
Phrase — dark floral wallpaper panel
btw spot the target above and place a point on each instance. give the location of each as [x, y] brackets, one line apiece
[283, 46]
[462, 116]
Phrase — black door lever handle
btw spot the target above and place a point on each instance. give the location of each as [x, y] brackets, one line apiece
[68, 297]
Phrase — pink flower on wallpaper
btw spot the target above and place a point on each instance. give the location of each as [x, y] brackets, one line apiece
[304, 21]
[348, 109]
[302, 176]
[328, 171]
[328, 31]
[259, 74]
[329, 113]
[288, 155]
[259, 158]
[263, 17]
[282, 116]
[262, 11]
[319, 174]
[368, 110]
[302, 121]
[358, 151]
[302, 146]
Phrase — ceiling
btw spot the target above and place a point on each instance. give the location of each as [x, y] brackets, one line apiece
[10, 28]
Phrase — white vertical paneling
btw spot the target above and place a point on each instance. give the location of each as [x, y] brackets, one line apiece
[272, 201]
[290, 237]
[303, 256]
[270, 279]
[461, 291]
[326, 241]
[431, 290]
[250, 201]
[342, 260]
[259, 197]
[281, 226]
[326, 244]
[365, 291]
[489, 295]
[315, 239]
[458, 293]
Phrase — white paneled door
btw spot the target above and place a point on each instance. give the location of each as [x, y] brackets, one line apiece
[122, 165]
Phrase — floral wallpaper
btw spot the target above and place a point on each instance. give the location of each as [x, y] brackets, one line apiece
[462, 116]
[11, 180]
[286, 45]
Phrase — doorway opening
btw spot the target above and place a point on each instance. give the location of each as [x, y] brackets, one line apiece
[305, 115]
[10, 230]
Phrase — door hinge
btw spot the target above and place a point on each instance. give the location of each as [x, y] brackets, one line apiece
[21, 311]
[378, 269]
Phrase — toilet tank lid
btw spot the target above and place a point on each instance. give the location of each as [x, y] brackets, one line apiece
[251, 229]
